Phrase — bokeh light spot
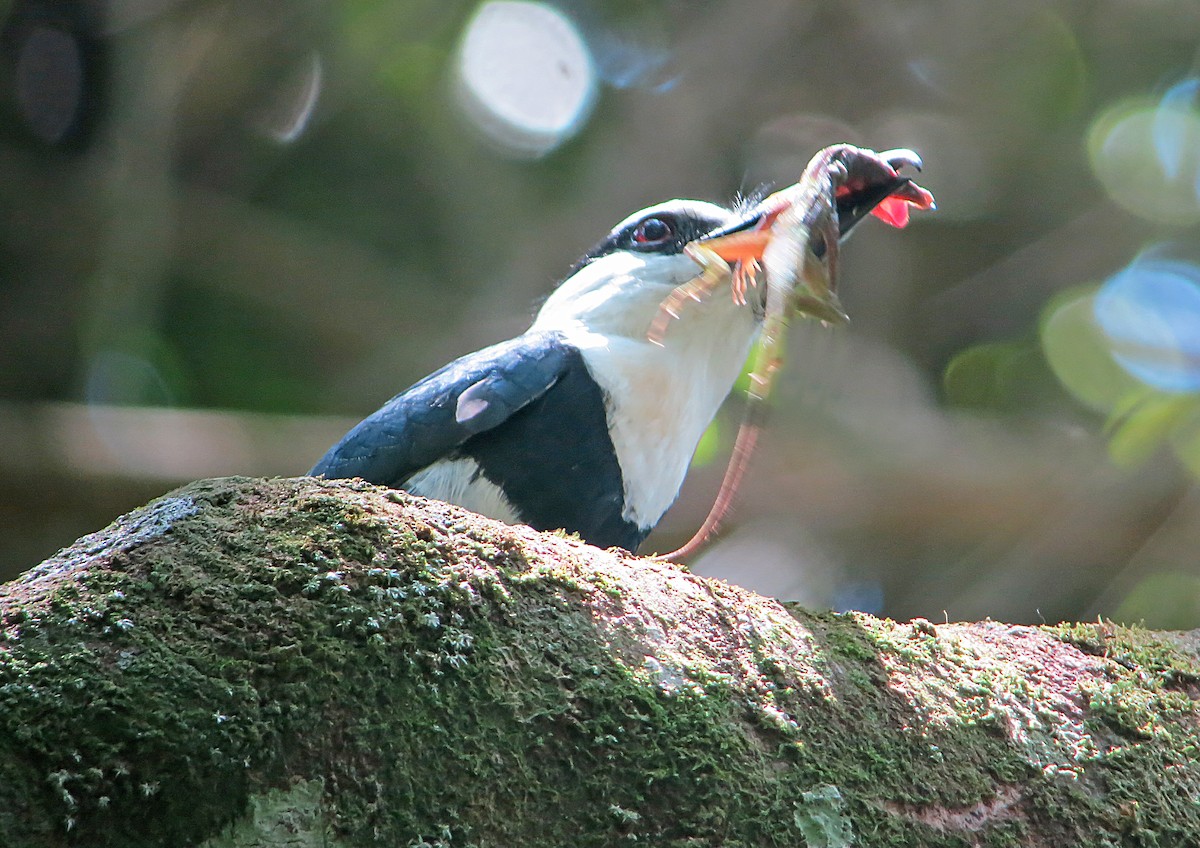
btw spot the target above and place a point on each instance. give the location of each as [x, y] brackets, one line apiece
[526, 78]
[287, 116]
[1142, 423]
[1147, 157]
[999, 377]
[970, 378]
[1078, 352]
[118, 378]
[1170, 140]
[626, 62]
[1150, 313]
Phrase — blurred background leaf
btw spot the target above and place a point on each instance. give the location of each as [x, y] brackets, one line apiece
[230, 229]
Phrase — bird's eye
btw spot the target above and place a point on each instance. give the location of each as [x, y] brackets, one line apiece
[653, 231]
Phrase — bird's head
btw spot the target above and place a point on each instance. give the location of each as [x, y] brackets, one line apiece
[617, 286]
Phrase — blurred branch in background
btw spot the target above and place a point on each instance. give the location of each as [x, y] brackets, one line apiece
[71, 468]
[229, 228]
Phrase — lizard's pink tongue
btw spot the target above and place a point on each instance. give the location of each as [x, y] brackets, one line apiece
[892, 210]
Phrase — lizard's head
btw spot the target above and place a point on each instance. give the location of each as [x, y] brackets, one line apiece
[868, 182]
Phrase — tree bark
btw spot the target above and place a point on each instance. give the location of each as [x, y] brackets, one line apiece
[305, 662]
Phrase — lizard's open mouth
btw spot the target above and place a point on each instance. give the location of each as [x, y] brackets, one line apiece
[873, 185]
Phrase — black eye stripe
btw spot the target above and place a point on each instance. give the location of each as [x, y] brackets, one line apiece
[688, 219]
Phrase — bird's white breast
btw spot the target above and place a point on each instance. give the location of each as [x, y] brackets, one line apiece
[660, 398]
[459, 481]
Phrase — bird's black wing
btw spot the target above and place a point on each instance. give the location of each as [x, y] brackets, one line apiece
[432, 418]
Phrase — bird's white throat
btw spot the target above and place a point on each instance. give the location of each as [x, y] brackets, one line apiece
[667, 394]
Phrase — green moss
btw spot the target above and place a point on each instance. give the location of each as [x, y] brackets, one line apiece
[883, 750]
[291, 818]
[1145, 709]
[218, 655]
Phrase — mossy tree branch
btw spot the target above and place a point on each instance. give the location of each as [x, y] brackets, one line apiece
[249, 662]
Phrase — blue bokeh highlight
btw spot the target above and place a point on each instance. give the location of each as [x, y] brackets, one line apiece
[1150, 314]
[1171, 141]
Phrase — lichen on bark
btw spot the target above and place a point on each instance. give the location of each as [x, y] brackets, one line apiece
[251, 661]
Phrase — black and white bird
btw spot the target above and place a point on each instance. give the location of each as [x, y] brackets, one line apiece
[580, 423]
